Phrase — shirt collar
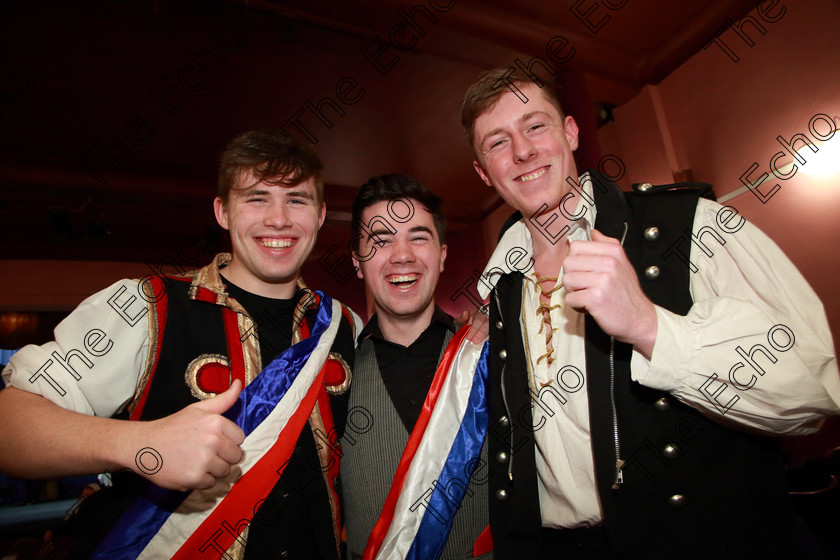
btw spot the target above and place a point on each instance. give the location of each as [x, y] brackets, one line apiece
[372, 327]
[208, 284]
[515, 250]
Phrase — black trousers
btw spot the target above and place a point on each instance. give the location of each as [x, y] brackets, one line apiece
[575, 544]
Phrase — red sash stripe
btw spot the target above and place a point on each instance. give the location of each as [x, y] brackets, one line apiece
[234, 344]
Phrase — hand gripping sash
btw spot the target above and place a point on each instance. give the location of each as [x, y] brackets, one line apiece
[439, 460]
[272, 411]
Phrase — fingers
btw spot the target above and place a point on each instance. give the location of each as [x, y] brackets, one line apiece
[582, 280]
[479, 328]
[600, 245]
[222, 441]
[208, 496]
[223, 401]
[200, 445]
[215, 459]
[600, 237]
[229, 451]
[218, 468]
[591, 263]
[232, 432]
[211, 458]
[463, 318]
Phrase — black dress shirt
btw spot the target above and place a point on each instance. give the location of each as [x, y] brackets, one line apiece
[407, 371]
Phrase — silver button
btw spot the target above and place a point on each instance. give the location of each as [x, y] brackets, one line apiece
[503, 354]
[652, 272]
[499, 325]
[652, 233]
[669, 451]
[504, 421]
[645, 187]
[662, 404]
[677, 500]
[501, 495]
[502, 457]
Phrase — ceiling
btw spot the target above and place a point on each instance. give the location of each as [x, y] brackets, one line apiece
[114, 113]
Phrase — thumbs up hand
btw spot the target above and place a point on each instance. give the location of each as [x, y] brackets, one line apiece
[190, 449]
[601, 281]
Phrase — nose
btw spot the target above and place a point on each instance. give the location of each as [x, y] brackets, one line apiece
[522, 148]
[402, 252]
[277, 215]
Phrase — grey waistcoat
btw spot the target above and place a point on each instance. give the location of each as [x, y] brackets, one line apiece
[370, 460]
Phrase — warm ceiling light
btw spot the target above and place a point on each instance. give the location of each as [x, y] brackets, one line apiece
[825, 162]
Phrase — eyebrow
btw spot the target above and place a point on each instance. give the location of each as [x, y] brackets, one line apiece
[301, 194]
[532, 114]
[261, 191]
[251, 191]
[385, 232]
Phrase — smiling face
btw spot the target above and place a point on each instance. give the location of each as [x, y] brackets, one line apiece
[524, 150]
[403, 268]
[273, 229]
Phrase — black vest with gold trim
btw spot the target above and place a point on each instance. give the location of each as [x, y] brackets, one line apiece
[194, 333]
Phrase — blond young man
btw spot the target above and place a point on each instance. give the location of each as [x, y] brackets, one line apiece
[615, 429]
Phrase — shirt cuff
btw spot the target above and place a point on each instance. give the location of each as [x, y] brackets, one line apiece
[672, 353]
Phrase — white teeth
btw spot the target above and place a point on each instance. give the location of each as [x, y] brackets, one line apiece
[275, 243]
[403, 278]
[534, 175]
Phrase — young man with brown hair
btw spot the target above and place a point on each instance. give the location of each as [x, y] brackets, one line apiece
[221, 474]
[615, 431]
[403, 497]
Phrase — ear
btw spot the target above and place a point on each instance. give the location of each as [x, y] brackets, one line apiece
[358, 267]
[323, 215]
[571, 132]
[442, 256]
[482, 173]
[221, 213]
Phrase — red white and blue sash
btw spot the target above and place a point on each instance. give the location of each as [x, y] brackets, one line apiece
[272, 410]
[437, 465]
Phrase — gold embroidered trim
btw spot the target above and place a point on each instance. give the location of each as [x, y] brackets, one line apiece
[316, 424]
[153, 327]
[306, 302]
[190, 375]
[210, 278]
[348, 376]
[250, 347]
[237, 549]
